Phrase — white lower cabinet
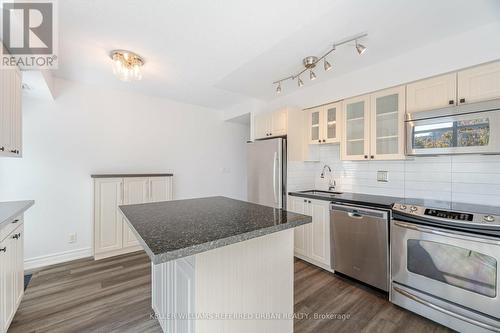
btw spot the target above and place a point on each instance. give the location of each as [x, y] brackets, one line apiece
[312, 241]
[173, 285]
[112, 235]
[11, 274]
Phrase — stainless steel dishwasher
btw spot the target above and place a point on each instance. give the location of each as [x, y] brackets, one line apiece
[360, 244]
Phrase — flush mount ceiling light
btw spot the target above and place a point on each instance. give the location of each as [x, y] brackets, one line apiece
[127, 65]
[311, 61]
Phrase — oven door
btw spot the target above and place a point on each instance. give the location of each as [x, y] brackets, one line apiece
[453, 266]
[470, 133]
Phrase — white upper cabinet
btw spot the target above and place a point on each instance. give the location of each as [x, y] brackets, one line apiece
[323, 123]
[373, 126]
[331, 120]
[10, 112]
[314, 125]
[270, 124]
[479, 83]
[387, 124]
[356, 129]
[262, 125]
[279, 122]
[434, 93]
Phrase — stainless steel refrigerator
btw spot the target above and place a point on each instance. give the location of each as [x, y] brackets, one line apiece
[266, 172]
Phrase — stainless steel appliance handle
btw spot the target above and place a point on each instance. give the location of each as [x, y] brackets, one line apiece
[447, 233]
[359, 212]
[355, 215]
[275, 160]
[446, 311]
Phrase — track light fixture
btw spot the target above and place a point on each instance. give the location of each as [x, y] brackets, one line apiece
[327, 65]
[299, 82]
[311, 61]
[312, 76]
[360, 48]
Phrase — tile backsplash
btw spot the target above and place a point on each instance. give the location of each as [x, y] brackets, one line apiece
[458, 178]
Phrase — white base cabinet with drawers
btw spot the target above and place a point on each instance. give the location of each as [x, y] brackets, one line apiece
[112, 235]
[312, 241]
[11, 271]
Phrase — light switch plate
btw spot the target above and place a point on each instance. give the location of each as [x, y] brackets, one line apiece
[382, 176]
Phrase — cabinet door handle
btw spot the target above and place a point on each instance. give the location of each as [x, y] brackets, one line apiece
[451, 102]
[462, 100]
[324, 140]
[2, 148]
[372, 157]
[366, 156]
[15, 221]
[16, 236]
[319, 141]
[4, 249]
[14, 151]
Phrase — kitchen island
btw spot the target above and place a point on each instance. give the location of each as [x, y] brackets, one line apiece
[218, 264]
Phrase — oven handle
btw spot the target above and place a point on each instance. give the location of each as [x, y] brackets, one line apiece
[446, 311]
[447, 233]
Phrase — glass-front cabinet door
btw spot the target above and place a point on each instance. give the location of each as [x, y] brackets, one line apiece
[387, 124]
[331, 122]
[356, 128]
[314, 125]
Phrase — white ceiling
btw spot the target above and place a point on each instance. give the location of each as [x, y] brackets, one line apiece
[219, 53]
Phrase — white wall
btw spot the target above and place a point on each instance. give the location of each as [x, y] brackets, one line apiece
[461, 178]
[88, 130]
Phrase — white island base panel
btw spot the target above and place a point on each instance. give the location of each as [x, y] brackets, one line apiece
[243, 287]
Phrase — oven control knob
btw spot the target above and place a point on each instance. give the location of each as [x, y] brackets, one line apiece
[489, 218]
[403, 207]
[413, 209]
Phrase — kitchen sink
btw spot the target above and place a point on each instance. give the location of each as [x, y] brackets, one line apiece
[321, 193]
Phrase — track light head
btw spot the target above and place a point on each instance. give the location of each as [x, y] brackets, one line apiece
[299, 82]
[312, 76]
[327, 65]
[278, 88]
[360, 48]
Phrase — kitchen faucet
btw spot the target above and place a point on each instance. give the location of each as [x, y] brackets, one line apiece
[332, 183]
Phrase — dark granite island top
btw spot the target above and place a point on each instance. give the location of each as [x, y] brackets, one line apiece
[174, 229]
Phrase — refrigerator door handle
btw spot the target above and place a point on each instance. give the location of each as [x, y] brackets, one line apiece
[275, 161]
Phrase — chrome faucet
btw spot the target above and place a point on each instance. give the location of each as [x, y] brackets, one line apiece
[332, 183]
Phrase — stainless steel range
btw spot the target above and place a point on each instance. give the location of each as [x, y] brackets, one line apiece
[445, 263]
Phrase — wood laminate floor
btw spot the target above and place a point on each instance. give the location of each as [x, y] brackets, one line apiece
[114, 295]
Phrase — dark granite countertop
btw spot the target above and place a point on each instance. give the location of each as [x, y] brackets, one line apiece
[11, 209]
[128, 175]
[378, 201]
[174, 229]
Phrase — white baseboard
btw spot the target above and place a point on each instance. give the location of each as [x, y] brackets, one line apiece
[56, 258]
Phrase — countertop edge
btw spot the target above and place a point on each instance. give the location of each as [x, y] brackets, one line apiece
[129, 175]
[344, 200]
[199, 248]
[16, 213]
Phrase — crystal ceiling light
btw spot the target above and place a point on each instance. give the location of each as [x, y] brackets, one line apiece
[127, 65]
[310, 62]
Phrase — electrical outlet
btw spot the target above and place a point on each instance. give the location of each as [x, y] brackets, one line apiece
[382, 176]
[72, 238]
